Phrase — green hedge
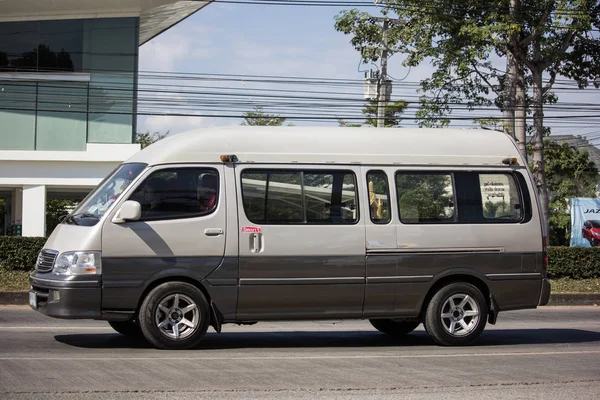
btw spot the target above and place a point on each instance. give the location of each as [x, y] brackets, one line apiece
[20, 253]
[574, 262]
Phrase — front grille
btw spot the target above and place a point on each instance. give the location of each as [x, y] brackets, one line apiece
[45, 260]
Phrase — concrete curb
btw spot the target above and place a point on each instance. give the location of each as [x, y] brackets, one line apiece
[10, 298]
[574, 299]
[556, 299]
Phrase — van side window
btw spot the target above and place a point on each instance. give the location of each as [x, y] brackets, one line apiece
[300, 197]
[178, 193]
[379, 197]
[488, 197]
[425, 198]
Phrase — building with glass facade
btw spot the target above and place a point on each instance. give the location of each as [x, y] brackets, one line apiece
[68, 91]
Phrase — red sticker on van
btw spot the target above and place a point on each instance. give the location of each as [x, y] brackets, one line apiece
[251, 229]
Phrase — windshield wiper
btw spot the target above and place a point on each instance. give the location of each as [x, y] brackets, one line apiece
[68, 219]
[85, 215]
[74, 218]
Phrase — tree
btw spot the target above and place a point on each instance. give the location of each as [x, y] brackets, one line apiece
[570, 173]
[343, 123]
[56, 209]
[459, 37]
[392, 114]
[146, 138]
[259, 118]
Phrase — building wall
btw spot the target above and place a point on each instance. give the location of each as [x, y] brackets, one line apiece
[66, 83]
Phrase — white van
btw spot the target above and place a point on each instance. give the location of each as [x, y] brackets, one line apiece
[246, 224]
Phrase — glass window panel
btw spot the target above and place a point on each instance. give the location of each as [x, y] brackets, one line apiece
[18, 46]
[60, 45]
[17, 115]
[425, 198]
[178, 193]
[379, 198]
[254, 192]
[500, 197]
[285, 197]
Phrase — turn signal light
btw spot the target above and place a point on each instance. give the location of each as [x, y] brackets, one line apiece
[228, 158]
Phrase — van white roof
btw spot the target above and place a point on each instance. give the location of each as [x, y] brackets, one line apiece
[327, 145]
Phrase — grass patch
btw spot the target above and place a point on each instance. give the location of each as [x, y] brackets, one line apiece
[568, 285]
[11, 280]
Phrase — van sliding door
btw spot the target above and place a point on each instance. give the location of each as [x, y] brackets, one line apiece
[301, 243]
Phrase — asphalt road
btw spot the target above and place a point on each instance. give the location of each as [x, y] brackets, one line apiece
[549, 353]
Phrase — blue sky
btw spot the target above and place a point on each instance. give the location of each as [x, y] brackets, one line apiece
[282, 41]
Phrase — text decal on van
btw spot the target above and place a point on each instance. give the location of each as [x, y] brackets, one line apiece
[251, 229]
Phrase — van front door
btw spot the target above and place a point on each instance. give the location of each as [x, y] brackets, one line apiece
[301, 242]
[181, 232]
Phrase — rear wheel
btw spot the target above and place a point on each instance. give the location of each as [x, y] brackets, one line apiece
[456, 315]
[394, 328]
[174, 315]
[126, 328]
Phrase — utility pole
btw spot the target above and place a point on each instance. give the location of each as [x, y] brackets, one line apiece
[516, 76]
[382, 92]
[520, 127]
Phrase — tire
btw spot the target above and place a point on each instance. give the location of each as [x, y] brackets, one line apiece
[126, 328]
[174, 315]
[394, 328]
[441, 318]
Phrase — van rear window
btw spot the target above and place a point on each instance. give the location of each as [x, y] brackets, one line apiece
[300, 197]
[460, 197]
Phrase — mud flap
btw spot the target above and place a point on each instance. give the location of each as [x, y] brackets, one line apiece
[216, 319]
[493, 313]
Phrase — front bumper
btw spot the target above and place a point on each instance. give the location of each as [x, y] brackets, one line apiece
[66, 298]
[545, 292]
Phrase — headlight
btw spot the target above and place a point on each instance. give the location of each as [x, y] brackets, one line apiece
[78, 263]
[597, 233]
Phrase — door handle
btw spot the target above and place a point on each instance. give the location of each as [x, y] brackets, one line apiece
[213, 231]
[256, 242]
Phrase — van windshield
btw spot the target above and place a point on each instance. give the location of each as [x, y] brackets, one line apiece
[95, 205]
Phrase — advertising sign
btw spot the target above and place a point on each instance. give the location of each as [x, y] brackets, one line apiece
[585, 222]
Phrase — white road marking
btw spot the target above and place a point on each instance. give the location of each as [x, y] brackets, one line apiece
[323, 357]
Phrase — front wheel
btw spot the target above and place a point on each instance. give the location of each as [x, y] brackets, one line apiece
[394, 328]
[456, 315]
[174, 315]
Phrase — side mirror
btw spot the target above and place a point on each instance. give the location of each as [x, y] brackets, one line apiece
[129, 211]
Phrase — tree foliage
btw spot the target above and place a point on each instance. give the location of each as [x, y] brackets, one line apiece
[393, 111]
[56, 209]
[570, 173]
[145, 139]
[259, 118]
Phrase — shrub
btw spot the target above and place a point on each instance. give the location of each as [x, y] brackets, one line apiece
[574, 262]
[20, 253]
